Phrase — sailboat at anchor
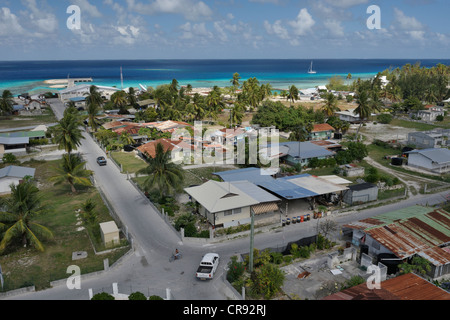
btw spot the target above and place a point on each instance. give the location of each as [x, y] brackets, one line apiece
[311, 71]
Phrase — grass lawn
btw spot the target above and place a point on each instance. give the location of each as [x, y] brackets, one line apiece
[412, 125]
[129, 161]
[26, 266]
[9, 122]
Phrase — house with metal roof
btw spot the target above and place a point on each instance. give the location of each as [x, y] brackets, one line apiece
[13, 145]
[227, 204]
[408, 232]
[295, 152]
[436, 138]
[296, 192]
[13, 175]
[321, 131]
[436, 160]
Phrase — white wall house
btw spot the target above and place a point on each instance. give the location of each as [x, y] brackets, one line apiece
[228, 204]
[436, 160]
[13, 175]
[83, 90]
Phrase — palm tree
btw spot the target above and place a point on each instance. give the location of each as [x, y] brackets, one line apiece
[94, 97]
[72, 171]
[68, 133]
[236, 113]
[235, 80]
[292, 93]
[94, 103]
[174, 86]
[20, 209]
[349, 77]
[363, 110]
[6, 102]
[189, 88]
[120, 100]
[92, 110]
[126, 139]
[131, 97]
[198, 106]
[164, 175]
[331, 104]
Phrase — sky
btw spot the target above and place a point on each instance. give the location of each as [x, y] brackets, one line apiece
[224, 29]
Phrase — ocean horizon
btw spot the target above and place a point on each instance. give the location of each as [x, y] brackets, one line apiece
[30, 76]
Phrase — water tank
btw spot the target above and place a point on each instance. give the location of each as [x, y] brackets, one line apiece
[390, 261]
[397, 161]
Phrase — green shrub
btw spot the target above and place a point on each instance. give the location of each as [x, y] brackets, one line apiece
[155, 298]
[190, 230]
[137, 296]
[103, 296]
[277, 257]
[266, 280]
[287, 259]
[235, 270]
[384, 118]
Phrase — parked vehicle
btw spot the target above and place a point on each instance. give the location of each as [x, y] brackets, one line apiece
[101, 161]
[208, 266]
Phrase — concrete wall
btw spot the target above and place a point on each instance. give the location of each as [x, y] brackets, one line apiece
[360, 196]
[6, 182]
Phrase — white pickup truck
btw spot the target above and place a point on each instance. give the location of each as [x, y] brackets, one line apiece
[208, 266]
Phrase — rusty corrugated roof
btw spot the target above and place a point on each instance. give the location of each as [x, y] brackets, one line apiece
[405, 287]
[411, 231]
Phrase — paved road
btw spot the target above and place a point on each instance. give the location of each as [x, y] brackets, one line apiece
[147, 268]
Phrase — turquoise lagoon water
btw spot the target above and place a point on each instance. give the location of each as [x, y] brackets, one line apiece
[29, 76]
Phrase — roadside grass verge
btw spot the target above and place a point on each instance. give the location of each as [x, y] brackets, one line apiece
[26, 266]
[130, 163]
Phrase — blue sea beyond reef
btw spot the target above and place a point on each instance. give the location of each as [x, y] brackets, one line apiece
[29, 76]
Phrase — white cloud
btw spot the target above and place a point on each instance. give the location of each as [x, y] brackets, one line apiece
[334, 27]
[346, 3]
[266, 1]
[407, 23]
[195, 30]
[276, 29]
[190, 9]
[87, 8]
[9, 23]
[303, 24]
[40, 18]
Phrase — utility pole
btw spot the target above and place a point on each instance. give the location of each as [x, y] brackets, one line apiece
[252, 234]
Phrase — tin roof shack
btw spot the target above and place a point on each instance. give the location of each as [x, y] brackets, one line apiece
[408, 232]
[360, 193]
[405, 287]
[110, 233]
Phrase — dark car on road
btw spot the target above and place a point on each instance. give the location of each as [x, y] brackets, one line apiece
[101, 161]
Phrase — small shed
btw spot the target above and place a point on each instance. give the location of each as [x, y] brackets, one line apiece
[360, 193]
[110, 233]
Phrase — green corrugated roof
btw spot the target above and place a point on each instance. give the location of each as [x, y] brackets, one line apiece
[402, 214]
[23, 134]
